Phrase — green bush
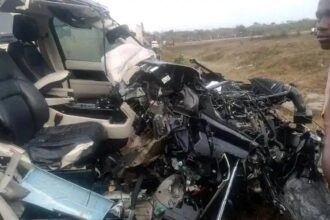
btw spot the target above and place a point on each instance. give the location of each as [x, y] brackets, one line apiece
[180, 59]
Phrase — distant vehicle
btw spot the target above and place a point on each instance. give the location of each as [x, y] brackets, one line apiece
[156, 48]
[154, 44]
[313, 31]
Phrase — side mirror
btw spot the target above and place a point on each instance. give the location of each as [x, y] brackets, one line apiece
[121, 31]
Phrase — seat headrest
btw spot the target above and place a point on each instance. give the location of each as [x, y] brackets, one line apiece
[25, 28]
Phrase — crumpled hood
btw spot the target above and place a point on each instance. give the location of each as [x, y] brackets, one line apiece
[120, 63]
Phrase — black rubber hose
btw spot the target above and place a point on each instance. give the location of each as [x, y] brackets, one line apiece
[295, 96]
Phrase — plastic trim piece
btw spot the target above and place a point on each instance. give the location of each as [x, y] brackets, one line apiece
[114, 131]
[51, 79]
[58, 101]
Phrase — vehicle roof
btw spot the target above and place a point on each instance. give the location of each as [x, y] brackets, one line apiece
[79, 8]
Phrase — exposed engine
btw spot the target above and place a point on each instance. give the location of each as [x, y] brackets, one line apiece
[200, 147]
[195, 133]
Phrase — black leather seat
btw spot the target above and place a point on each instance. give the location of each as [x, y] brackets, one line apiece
[24, 111]
[51, 145]
[25, 52]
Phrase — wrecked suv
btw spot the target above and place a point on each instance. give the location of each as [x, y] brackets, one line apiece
[93, 126]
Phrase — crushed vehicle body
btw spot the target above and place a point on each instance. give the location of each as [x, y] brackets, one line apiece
[93, 126]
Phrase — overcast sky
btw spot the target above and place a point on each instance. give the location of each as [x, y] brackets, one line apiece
[160, 15]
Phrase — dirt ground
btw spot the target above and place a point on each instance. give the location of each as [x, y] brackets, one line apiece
[295, 59]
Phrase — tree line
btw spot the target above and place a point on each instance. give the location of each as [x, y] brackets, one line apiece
[256, 29]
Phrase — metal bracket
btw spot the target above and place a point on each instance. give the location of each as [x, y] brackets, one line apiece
[10, 171]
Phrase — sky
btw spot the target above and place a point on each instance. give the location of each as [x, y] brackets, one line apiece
[162, 15]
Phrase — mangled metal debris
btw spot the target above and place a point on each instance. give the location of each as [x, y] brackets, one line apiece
[192, 135]
[191, 144]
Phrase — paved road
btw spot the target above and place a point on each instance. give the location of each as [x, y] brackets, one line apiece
[234, 38]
